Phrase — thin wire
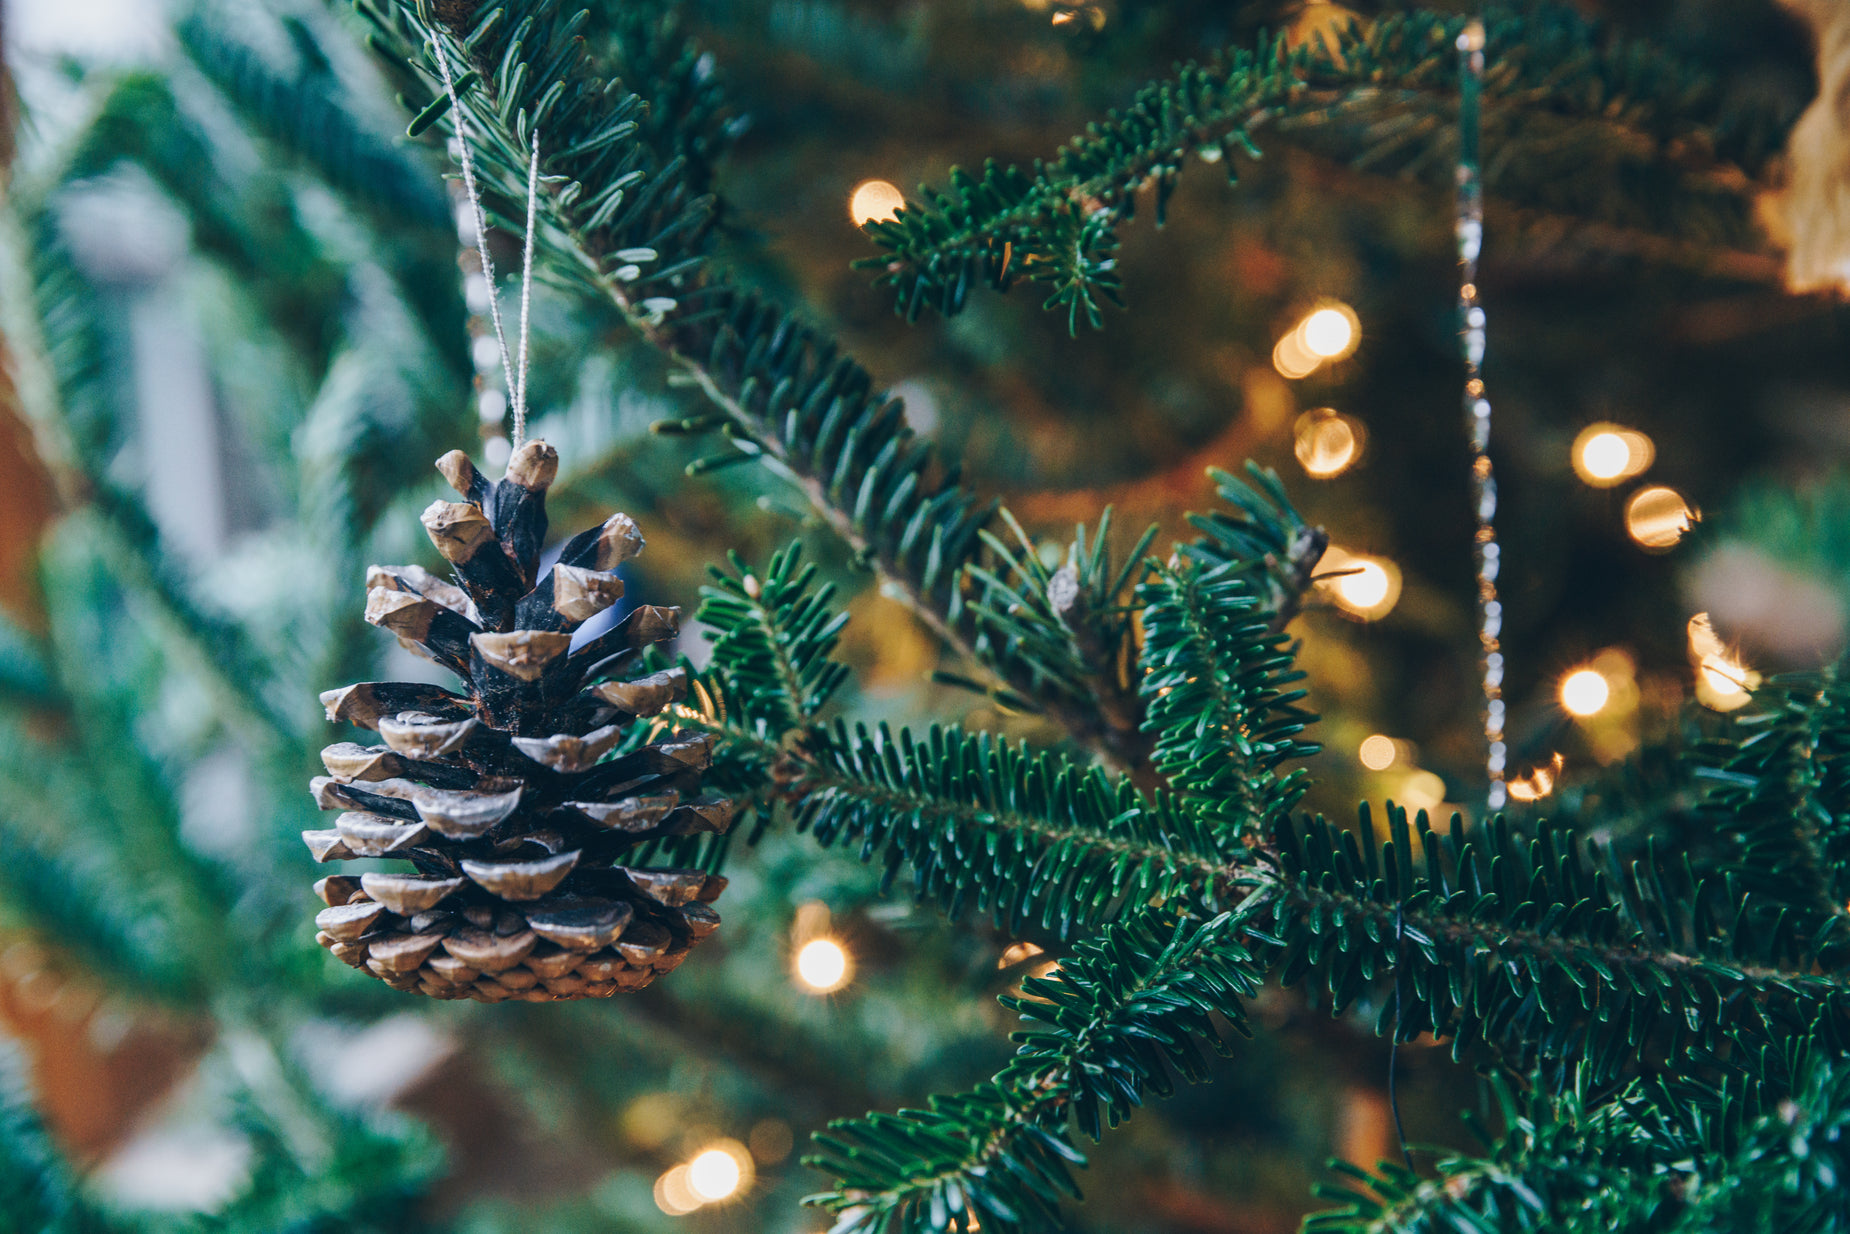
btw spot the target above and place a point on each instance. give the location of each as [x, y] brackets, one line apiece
[526, 291]
[1477, 406]
[481, 220]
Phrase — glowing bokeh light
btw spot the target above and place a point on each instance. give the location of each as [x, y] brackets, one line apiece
[1606, 454]
[874, 201]
[1327, 442]
[1657, 518]
[1378, 752]
[1585, 692]
[822, 965]
[1329, 333]
[1364, 587]
[715, 1174]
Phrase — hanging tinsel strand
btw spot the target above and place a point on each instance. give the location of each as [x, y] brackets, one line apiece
[1477, 405]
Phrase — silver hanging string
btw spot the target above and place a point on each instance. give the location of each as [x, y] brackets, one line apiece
[513, 378]
[526, 289]
[1470, 229]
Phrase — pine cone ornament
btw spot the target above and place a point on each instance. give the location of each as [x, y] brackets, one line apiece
[515, 801]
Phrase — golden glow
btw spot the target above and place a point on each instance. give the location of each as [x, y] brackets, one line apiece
[1290, 358]
[1423, 790]
[716, 1173]
[1723, 682]
[1606, 454]
[1365, 587]
[874, 201]
[1585, 692]
[1378, 752]
[1327, 442]
[1331, 332]
[1657, 517]
[1538, 783]
[1017, 952]
[673, 1195]
[822, 965]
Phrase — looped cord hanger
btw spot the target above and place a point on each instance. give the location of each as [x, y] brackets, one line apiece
[514, 377]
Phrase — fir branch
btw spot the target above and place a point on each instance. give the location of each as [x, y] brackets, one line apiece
[1560, 89]
[1780, 803]
[623, 223]
[1118, 1016]
[772, 638]
[1218, 681]
[1032, 839]
[1537, 947]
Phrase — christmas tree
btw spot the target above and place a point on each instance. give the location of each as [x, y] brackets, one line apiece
[1004, 753]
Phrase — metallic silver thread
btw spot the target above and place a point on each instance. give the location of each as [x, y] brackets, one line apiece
[1470, 227]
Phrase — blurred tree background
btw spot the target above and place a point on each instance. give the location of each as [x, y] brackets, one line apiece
[239, 329]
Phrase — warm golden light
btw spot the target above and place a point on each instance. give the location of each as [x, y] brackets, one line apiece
[1327, 442]
[1423, 790]
[1723, 683]
[715, 1174]
[1017, 952]
[1658, 517]
[1290, 358]
[874, 201]
[1605, 454]
[1365, 587]
[1539, 782]
[1330, 333]
[1585, 692]
[673, 1195]
[1378, 752]
[822, 965]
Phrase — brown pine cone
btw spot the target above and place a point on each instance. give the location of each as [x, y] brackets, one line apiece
[516, 801]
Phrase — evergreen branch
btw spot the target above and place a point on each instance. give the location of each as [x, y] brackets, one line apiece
[306, 113]
[622, 222]
[1780, 803]
[1559, 89]
[1218, 678]
[1264, 537]
[1118, 1016]
[1653, 1158]
[689, 117]
[1535, 947]
[772, 638]
[1030, 838]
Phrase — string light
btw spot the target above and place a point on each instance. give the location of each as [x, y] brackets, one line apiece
[1607, 454]
[1539, 782]
[673, 1195]
[1723, 682]
[822, 965]
[1017, 952]
[715, 1174]
[1329, 333]
[1378, 752]
[1657, 518]
[874, 201]
[1364, 587]
[1422, 790]
[1473, 334]
[1327, 442]
[1585, 692]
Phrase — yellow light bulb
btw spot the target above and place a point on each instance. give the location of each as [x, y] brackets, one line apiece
[1365, 587]
[1585, 692]
[1377, 752]
[1605, 454]
[1657, 517]
[713, 1175]
[874, 201]
[822, 965]
[1326, 442]
[1329, 333]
